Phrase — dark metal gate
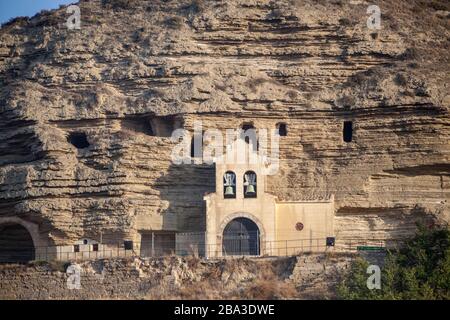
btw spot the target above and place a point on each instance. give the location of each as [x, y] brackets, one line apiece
[241, 237]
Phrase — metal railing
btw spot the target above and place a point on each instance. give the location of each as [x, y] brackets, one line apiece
[193, 244]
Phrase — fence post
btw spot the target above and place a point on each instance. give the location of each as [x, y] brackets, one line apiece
[153, 244]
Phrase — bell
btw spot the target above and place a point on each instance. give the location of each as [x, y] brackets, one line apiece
[250, 189]
[229, 191]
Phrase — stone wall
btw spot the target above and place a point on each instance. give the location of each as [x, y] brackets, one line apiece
[305, 276]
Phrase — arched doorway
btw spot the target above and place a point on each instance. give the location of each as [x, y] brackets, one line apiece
[16, 244]
[241, 237]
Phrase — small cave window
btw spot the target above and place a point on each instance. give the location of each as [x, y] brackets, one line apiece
[229, 185]
[282, 129]
[247, 135]
[250, 185]
[164, 126]
[128, 245]
[76, 248]
[78, 139]
[95, 247]
[197, 148]
[348, 131]
[138, 125]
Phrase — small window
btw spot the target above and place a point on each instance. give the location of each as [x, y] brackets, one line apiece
[138, 125]
[282, 129]
[128, 245]
[250, 185]
[78, 139]
[197, 150]
[229, 185]
[348, 131]
[164, 126]
[76, 248]
[247, 135]
[247, 126]
[95, 247]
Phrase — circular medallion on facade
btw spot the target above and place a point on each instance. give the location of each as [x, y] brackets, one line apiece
[299, 226]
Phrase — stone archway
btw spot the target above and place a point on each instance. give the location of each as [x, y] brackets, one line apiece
[259, 227]
[16, 244]
[241, 236]
[19, 240]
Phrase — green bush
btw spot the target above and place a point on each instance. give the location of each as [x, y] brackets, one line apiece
[420, 270]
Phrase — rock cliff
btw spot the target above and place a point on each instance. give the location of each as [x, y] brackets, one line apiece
[86, 115]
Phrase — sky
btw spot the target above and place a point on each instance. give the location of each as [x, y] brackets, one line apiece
[15, 8]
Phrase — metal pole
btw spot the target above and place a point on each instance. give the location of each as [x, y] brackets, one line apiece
[153, 244]
[257, 242]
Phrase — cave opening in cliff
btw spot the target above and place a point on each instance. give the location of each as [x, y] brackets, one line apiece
[16, 244]
[197, 146]
[282, 129]
[249, 133]
[138, 125]
[348, 131]
[78, 140]
[164, 126]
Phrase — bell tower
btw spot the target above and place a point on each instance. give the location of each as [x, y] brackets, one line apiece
[240, 196]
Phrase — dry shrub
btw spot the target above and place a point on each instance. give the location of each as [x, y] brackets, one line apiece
[213, 273]
[57, 265]
[200, 291]
[21, 21]
[192, 261]
[270, 290]
[269, 286]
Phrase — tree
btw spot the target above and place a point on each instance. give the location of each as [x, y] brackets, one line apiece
[420, 270]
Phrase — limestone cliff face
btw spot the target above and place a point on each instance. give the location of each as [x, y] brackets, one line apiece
[309, 64]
